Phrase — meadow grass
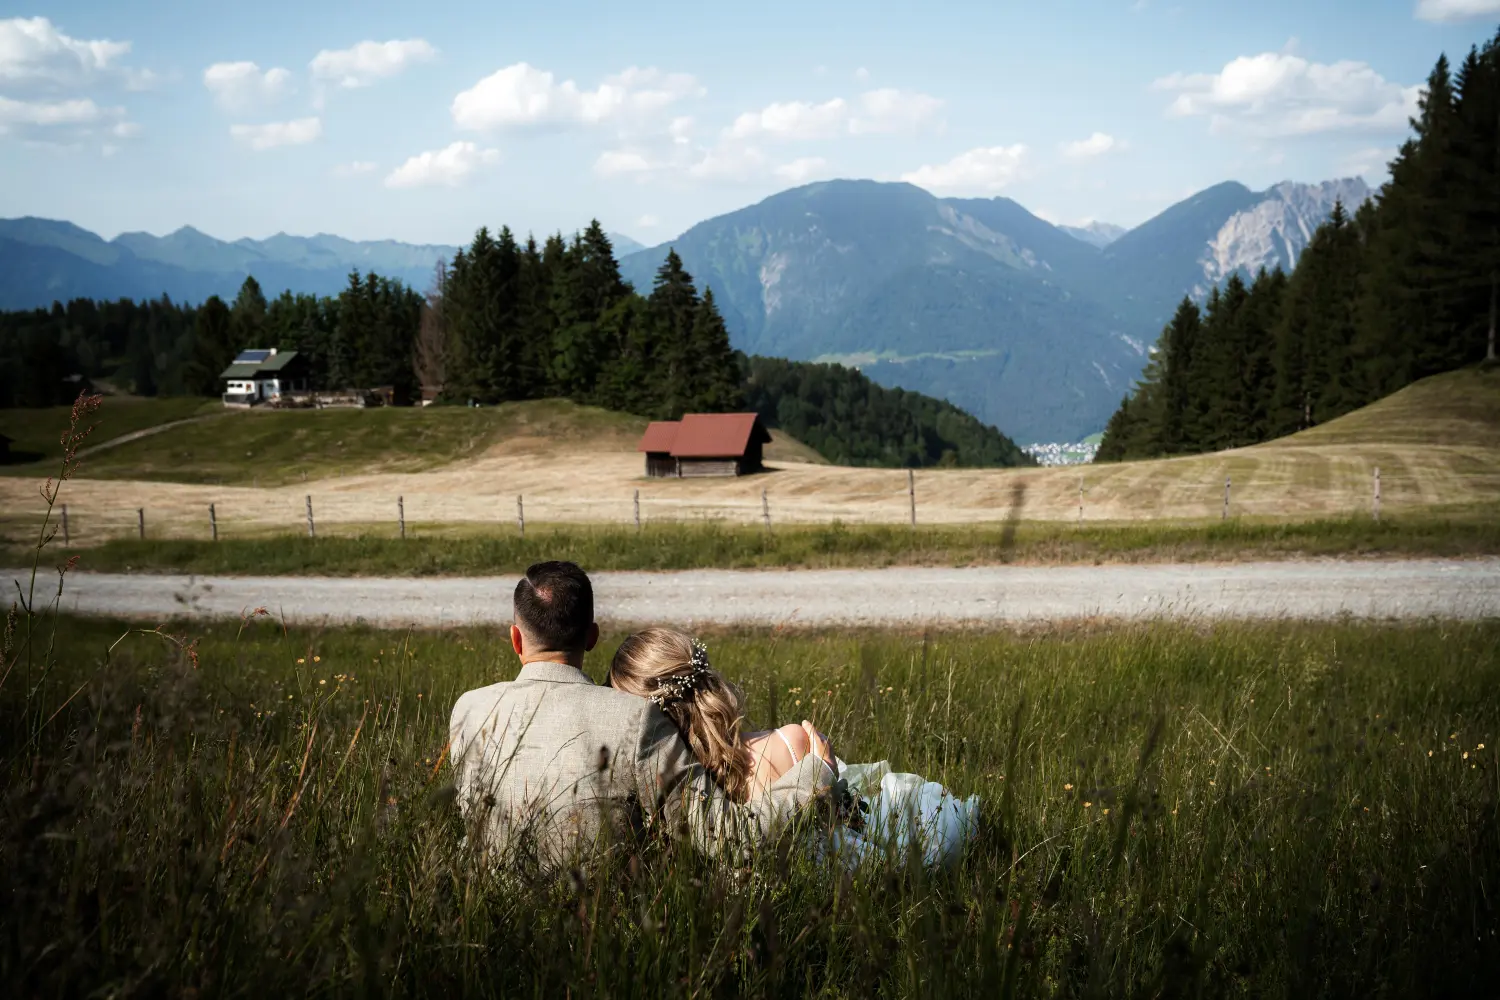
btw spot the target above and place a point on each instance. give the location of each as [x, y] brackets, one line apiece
[1274, 809]
[35, 433]
[371, 550]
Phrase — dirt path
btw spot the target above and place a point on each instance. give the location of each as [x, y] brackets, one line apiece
[144, 432]
[1311, 590]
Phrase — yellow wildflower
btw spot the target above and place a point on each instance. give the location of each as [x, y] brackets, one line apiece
[301, 660]
[1068, 787]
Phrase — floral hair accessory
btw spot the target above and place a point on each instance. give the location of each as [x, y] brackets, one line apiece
[679, 686]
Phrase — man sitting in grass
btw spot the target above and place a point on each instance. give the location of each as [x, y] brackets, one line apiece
[551, 765]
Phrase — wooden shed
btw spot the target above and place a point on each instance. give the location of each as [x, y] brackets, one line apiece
[705, 444]
[657, 444]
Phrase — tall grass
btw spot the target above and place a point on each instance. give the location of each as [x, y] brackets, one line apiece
[437, 550]
[1242, 810]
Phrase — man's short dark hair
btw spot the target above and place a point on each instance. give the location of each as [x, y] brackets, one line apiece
[555, 606]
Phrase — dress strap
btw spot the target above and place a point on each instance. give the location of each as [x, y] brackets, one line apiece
[789, 749]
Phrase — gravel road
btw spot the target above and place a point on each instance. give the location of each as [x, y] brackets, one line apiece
[899, 596]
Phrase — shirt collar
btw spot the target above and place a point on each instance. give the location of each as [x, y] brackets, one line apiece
[552, 673]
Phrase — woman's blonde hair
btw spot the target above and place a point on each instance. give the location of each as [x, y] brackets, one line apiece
[672, 669]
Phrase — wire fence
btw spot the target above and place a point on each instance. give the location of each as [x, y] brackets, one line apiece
[157, 511]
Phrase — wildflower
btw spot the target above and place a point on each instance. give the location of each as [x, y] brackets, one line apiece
[1068, 787]
[1087, 805]
[1213, 782]
[799, 701]
[1429, 753]
[1466, 755]
[1106, 812]
[1480, 747]
[317, 659]
[322, 681]
[301, 659]
[1453, 736]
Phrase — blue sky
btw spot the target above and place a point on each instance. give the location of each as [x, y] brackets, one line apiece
[421, 122]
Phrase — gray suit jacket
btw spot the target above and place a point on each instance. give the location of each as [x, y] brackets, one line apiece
[551, 766]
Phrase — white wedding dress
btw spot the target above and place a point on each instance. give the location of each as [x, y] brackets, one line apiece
[905, 811]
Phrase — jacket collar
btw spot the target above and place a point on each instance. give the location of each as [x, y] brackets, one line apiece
[552, 673]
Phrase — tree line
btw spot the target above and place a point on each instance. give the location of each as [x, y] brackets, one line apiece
[1406, 287]
[502, 321]
[850, 420]
[362, 336]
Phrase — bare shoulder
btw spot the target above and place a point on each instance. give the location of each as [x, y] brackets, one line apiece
[796, 738]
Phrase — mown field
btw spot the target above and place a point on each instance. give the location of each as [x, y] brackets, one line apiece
[1436, 445]
[1236, 810]
[376, 550]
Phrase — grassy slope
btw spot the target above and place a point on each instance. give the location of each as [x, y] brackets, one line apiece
[1457, 408]
[1314, 817]
[275, 447]
[36, 433]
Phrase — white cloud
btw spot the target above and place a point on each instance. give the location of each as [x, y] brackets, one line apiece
[241, 86]
[354, 169]
[988, 168]
[647, 221]
[729, 162]
[1371, 163]
[450, 166]
[889, 110]
[1278, 94]
[1095, 145]
[272, 134]
[522, 95]
[861, 74]
[33, 52]
[64, 121]
[876, 111]
[794, 120]
[615, 162]
[363, 64]
[681, 130]
[1456, 10]
[801, 170]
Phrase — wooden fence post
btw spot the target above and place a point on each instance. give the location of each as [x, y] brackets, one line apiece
[310, 532]
[401, 514]
[1080, 499]
[65, 524]
[140, 513]
[1225, 515]
[637, 510]
[520, 516]
[1377, 493]
[765, 508]
[213, 522]
[911, 494]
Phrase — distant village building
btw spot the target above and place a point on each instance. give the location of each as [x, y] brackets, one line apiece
[704, 444]
[263, 375]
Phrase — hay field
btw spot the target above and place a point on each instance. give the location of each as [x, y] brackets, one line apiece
[1436, 443]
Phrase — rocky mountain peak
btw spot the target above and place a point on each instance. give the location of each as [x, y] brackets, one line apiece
[1274, 231]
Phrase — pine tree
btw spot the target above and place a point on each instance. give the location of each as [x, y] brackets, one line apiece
[213, 348]
[673, 305]
[248, 315]
[714, 371]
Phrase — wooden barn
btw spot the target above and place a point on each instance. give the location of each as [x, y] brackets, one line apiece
[705, 444]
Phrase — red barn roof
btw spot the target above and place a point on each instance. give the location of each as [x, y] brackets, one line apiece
[659, 436]
[717, 435]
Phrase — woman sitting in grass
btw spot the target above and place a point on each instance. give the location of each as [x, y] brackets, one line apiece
[672, 670]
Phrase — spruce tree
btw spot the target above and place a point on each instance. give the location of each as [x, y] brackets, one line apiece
[673, 305]
[715, 373]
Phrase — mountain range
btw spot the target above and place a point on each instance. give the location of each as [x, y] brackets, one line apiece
[1035, 328]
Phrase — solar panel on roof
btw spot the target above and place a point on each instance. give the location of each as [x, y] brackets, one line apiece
[252, 357]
